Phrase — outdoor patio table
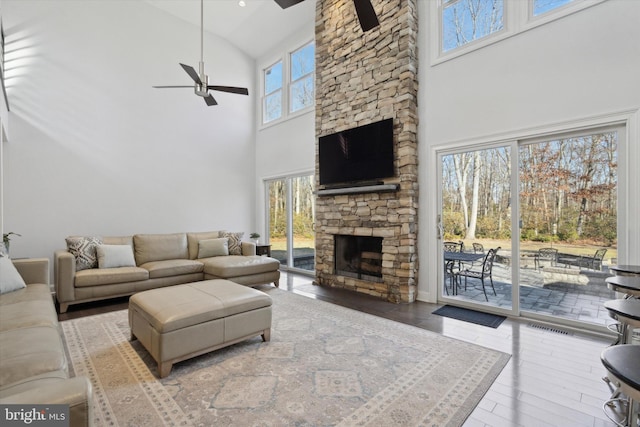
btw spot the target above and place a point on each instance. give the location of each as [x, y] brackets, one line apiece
[568, 260]
[625, 270]
[628, 285]
[451, 257]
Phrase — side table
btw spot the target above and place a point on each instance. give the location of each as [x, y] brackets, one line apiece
[263, 250]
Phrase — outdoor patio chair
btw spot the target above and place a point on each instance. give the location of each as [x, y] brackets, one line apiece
[593, 262]
[486, 271]
[547, 254]
[450, 266]
[477, 249]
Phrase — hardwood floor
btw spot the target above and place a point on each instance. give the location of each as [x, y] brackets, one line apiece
[552, 378]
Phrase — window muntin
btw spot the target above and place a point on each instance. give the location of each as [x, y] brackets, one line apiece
[272, 107]
[464, 21]
[302, 67]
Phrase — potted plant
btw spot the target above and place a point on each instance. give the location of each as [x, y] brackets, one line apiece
[255, 237]
[6, 240]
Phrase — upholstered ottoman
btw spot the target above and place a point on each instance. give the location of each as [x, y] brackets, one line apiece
[183, 321]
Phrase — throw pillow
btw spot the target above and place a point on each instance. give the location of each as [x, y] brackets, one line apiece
[235, 240]
[84, 250]
[213, 247]
[113, 256]
[10, 279]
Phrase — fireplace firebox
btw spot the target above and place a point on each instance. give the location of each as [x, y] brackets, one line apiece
[359, 257]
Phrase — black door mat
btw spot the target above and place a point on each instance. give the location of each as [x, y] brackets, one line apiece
[472, 316]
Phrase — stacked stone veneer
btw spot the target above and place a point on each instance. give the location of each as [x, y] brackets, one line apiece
[363, 78]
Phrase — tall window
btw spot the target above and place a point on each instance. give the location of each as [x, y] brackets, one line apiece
[464, 21]
[289, 84]
[302, 65]
[272, 104]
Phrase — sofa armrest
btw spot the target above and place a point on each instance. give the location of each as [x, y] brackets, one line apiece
[33, 270]
[64, 272]
[75, 392]
[248, 248]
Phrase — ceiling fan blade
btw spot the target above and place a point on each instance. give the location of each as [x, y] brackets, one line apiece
[366, 14]
[210, 100]
[192, 73]
[230, 89]
[169, 87]
[288, 3]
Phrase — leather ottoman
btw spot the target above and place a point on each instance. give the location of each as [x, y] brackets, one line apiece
[183, 321]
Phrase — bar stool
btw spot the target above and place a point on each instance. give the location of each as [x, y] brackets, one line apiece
[622, 363]
[627, 313]
[628, 285]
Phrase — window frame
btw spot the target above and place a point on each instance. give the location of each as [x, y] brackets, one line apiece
[285, 58]
[291, 82]
[266, 95]
[517, 17]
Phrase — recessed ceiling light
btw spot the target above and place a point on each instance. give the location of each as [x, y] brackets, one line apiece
[241, 3]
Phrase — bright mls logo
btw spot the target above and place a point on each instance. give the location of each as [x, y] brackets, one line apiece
[34, 415]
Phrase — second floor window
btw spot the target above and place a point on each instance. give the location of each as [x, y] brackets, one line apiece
[464, 21]
[301, 91]
[543, 6]
[289, 85]
[272, 107]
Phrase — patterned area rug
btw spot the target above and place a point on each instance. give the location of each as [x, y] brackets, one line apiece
[325, 365]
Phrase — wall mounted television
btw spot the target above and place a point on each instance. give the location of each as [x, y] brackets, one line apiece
[357, 155]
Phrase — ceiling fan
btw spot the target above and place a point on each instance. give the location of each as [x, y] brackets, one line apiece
[364, 9]
[201, 84]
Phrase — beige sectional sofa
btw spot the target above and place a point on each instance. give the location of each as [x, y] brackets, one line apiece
[159, 260]
[33, 365]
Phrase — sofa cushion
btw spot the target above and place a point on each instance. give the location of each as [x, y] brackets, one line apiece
[213, 247]
[235, 240]
[110, 276]
[40, 313]
[172, 267]
[237, 265]
[10, 279]
[33, 292]
[29, 352]
[160, 247]
[84, 251]
[112, 256]
[194, 238]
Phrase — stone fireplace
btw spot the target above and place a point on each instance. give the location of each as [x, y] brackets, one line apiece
[363, 78]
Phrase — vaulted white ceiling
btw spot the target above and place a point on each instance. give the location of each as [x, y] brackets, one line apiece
[256, 28]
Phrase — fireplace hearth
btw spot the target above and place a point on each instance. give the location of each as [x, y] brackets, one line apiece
[359, 257]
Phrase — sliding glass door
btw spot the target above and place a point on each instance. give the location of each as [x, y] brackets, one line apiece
[291, 212]
[568, 234]
[475, 227]
[530, 227]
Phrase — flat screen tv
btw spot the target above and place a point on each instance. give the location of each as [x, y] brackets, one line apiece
[357, 155]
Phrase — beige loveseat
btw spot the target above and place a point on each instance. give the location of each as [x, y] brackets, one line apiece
[33, 365]
[160, 260]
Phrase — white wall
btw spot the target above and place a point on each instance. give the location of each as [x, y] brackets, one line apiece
[287, 147]
[94, 150]
[582, 66]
